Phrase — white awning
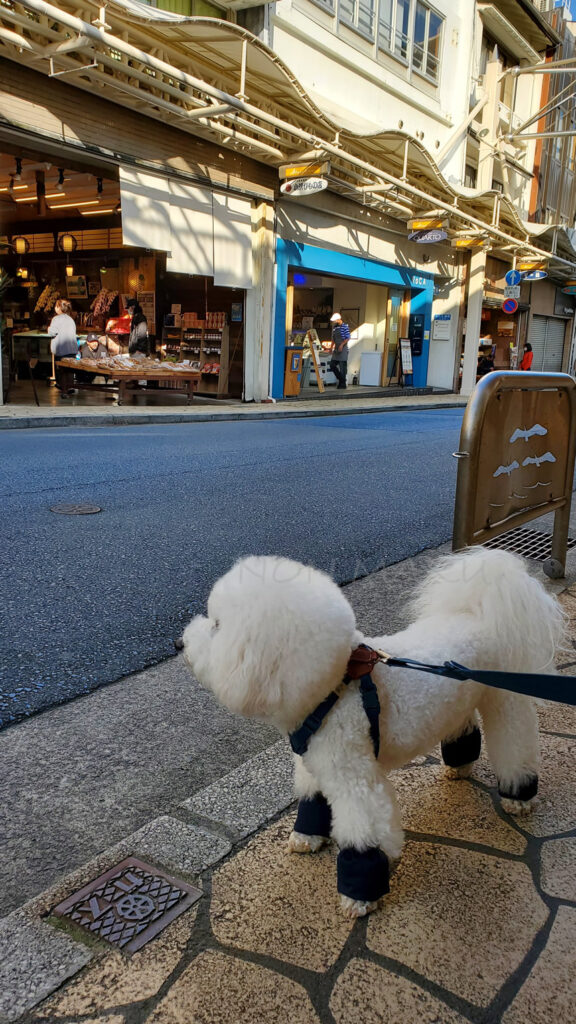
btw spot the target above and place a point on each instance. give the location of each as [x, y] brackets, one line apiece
[202, 232]
[191, 222]
[145, 210]
[232, 241]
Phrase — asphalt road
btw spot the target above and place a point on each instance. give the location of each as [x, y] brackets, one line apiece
[85, 600]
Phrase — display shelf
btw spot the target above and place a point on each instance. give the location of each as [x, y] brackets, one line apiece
[207, 346]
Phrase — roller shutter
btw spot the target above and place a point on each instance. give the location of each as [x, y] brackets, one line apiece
[546, 335]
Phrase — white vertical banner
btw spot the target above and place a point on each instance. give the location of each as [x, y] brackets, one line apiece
[145, 203]
[232, 241]
[191, 228]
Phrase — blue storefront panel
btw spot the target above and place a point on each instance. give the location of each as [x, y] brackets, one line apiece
[296, 255]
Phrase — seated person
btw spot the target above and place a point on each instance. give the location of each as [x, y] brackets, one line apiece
[485, 361]
[97, 347]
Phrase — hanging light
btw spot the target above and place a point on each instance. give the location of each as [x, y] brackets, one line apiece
[99, 186]
[21, 244]
[18, 175]
[60, 185]
[67, 242]
[69, 270]
[22, 272]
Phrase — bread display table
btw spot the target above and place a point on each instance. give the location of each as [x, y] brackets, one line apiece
[120, 372]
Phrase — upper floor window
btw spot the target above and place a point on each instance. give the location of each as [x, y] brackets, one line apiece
[426, 46]
[394, 24]
[409, 30]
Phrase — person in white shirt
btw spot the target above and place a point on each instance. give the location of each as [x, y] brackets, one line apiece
[62, 330]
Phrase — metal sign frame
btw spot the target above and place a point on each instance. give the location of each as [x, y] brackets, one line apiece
[473, 522]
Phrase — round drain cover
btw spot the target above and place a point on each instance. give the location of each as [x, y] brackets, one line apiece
[75, 510]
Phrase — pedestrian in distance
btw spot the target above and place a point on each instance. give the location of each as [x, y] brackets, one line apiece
[62, 330]
[340, 339]
[526, 363]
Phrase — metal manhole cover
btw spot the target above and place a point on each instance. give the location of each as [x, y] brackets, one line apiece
[530, 543]
[75, 510]
[129, 904]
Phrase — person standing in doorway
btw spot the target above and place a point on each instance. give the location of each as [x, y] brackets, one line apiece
[527, 358]
[138, 341]
[340, 339]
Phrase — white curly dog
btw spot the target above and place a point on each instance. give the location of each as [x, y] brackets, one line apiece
[277, 642]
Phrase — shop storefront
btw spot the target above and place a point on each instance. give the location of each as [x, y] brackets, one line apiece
[382, 304]
[97, 231]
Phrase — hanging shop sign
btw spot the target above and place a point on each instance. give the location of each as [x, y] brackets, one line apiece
[513, 278]
[535, 275]
[426, 237]
[303, 170]
[526, 266]
[426, 224]
[509, 305]
[569, 288]
[467, 242]
[303, 186]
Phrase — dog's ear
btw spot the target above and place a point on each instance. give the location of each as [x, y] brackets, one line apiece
[281, 638]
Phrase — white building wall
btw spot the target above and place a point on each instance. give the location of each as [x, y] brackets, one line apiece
[364, 89]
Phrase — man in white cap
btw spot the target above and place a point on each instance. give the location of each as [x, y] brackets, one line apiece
[340, 338]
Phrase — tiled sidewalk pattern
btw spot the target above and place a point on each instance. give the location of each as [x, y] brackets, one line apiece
[480, 925]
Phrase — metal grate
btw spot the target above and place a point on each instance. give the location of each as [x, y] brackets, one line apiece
[530, 543]
[129, 904]
[75, 510]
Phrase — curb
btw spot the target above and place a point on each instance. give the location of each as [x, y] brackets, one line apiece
[137, 419]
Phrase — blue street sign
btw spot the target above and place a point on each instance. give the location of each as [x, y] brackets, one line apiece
[509, 306]
[513, 277]
[535, 275]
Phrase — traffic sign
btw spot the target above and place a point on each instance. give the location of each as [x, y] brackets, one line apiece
[512, 291]
[303, 186]
[509, 305]
[513, 277]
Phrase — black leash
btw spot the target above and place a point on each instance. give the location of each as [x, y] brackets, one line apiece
[300, 738]
[531, 684]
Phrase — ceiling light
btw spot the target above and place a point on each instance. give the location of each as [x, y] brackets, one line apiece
[68, 206]
[18, 174]
[21, 244]
[94, 213]
[67, 242]
[12, 187]
[60, 185]
[25, 199]
[54, 195]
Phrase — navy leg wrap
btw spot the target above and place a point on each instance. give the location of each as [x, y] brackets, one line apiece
[463, 750]
[526, 791]
[314, 816]
[363, 876]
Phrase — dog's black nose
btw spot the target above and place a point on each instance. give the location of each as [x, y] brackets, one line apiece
[179, 643]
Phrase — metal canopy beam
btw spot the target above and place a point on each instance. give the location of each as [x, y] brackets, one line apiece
[199, 106]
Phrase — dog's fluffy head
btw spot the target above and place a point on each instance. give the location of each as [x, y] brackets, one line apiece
[276, 640]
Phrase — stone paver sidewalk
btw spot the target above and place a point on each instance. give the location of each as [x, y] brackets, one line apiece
[480, 925]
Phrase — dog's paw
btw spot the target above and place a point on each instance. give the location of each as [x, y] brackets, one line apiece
[518, 807]
[464, 771]
[300, 843]
[356, 908]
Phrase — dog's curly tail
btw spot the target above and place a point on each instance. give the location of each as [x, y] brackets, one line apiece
[511, 605]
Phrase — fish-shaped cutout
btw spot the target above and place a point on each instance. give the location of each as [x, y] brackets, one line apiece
[506, 469]
[537, 460]
[525, 434]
